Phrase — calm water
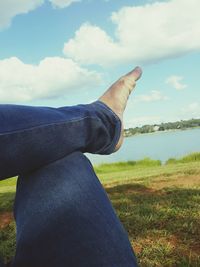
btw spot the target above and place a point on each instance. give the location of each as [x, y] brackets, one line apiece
[159, 145]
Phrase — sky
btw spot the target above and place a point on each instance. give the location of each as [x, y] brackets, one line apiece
[66, 52]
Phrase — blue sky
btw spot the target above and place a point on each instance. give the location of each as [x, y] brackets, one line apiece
[65, 52]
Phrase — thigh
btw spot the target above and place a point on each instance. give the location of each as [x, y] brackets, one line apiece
[64, 218]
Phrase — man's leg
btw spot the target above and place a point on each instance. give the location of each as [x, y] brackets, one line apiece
[31, 137]
[64, 218]
[1, 263]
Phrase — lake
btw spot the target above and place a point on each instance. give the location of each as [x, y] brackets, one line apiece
[158, 145]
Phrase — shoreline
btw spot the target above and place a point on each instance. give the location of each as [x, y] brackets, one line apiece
[147, 161]
[165, 131]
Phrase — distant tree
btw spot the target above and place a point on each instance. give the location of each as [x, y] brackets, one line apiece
[183, 124]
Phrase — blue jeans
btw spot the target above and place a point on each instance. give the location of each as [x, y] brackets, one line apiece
[63, 215]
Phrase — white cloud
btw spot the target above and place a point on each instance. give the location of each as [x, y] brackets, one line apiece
[52, 77]
[92, 45]
[63, 3]
[192, 110]
[153, 96]
[11, 8]
[143, 34]
[176, 82]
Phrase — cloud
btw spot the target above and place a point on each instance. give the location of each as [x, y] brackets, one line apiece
[62, 3]
[11, 8]
[143, 34]
[53, 77]
[192, 110]
[92, 45]
[153, 96]
[176, 82]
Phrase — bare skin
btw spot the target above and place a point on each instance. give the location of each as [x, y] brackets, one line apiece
[117, 95]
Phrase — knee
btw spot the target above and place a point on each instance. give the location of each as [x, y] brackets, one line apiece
[62, 187]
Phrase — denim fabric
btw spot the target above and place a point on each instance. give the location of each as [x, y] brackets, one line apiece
[31, 137]
[1, 263]
[64, 218]
[63, 215]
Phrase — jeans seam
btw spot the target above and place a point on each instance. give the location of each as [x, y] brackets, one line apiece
[110, 148]
[46, 125]
[114, 141]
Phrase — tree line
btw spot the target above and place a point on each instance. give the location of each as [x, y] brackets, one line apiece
[178, 125]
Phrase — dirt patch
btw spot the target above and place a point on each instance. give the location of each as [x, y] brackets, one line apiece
[178, 180]
[5, 219]
[196, 248]
[172, 241]
[137, 248]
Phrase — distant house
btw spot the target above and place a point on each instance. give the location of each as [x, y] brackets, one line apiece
[156, 128]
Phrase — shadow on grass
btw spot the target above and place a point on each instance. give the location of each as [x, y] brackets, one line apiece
[7, 242]
[163, 224]
[7, 226]
[6, 201]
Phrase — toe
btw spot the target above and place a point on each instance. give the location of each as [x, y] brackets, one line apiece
[135, 74]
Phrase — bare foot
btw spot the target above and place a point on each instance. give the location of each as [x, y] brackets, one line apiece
[117, 95]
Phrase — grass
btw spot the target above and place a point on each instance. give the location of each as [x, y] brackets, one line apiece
[115, 167]
[157, 204]
[191, 157]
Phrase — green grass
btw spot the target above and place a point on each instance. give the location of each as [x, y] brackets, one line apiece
[115, 167]
[7, 241]
[157, 204]
[7, 232]
[189, 158]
